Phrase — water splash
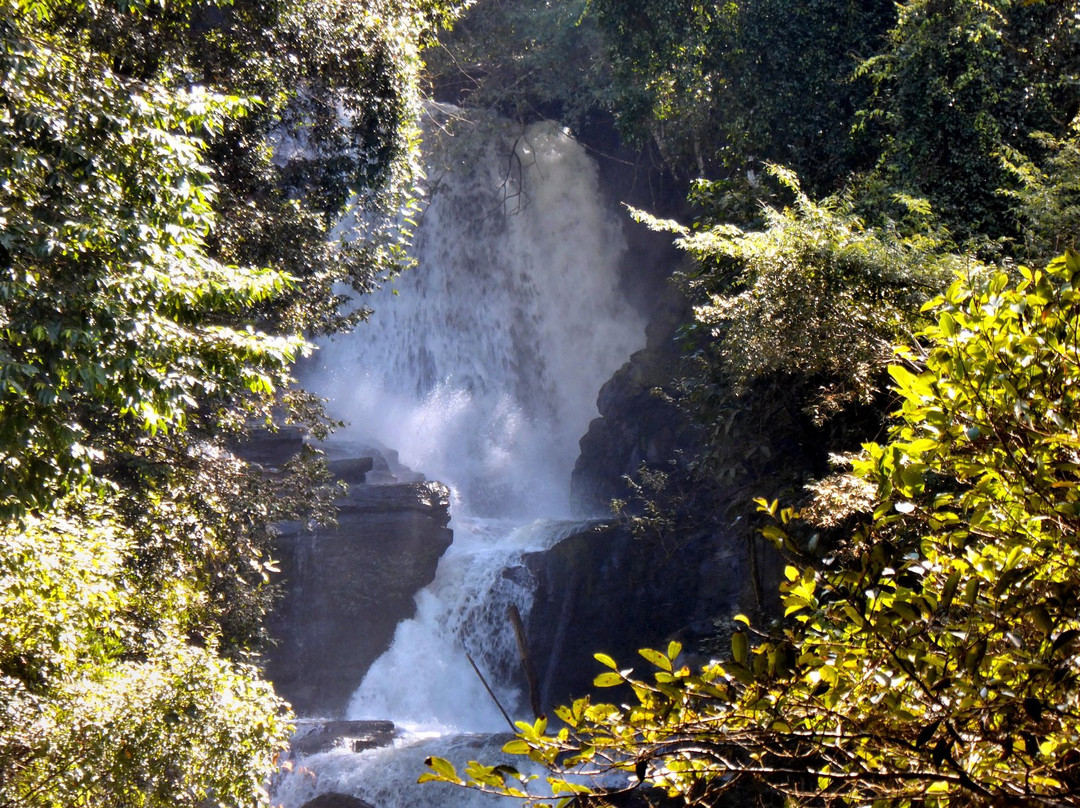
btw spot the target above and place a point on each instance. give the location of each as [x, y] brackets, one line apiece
[425, 682]
[387, 776]
[481, 366]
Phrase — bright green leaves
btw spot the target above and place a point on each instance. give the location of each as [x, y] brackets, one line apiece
[799, 591]
[102, 694]
[948, 599]
[608, 679]
[934, 652]
[158, 263]
[605, 660]
[658, 659]
[112, 306]
[441, 770]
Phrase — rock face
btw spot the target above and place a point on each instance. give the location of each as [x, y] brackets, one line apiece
[637, 424]
[346, 587]
[604, 590]
[271, 449]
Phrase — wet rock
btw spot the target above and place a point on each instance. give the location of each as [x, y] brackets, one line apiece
[336, 801]
[346, 458]
[346, 587]
[639, 423]
[603, 590]
[313, 736]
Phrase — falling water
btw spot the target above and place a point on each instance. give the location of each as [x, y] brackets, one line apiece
[481, 368]
[481, 365]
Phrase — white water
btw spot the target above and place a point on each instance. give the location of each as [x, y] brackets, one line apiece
[386, 777]
[425, 683]
[481, 365]
[482, 371]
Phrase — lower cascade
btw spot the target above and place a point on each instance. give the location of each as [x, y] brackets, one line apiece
[480, 369]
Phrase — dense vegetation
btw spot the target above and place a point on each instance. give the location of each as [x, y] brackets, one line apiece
[170, 174]
[864, 174]
[868, 175]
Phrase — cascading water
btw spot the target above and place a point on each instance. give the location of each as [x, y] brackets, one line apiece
[481, 367]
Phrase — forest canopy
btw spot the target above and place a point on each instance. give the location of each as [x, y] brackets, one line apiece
[883, 202]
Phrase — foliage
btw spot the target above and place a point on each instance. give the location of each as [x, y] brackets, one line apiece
[959, 81]
[712, 86]
[1047, 199]
[528, 60]
[814, 297]
[720, 86]
[172, 178]
[929, 92]
[111, 305]
[334, 126]
[104, 698]
[931, 658]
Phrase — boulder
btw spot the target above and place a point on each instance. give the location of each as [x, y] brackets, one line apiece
[336, 801]
[347, 586]
[314, 736]
[604, 590]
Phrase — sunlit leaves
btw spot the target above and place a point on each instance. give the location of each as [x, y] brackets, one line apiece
[158, 264]
[934, 654]
[103, 697]
[814, 295]
[111, 302]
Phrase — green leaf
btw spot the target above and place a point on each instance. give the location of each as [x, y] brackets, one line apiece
[609, 679]
[443, 768]
[516, 747]
[605, 660]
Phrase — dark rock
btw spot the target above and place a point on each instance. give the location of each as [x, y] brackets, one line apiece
[605, 590]
[351, 470]
[639, 423]
[346, 588]
[336, 801]
[271, 449]
[386, 467]
[312, 737]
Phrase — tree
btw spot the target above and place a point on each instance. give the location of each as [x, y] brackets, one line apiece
[527, 60]
[115, 321]
[723, 87]
[1047, 198]
[812, 299]
[171, 176]
[105, 697]
[958, 83]
[931, 656]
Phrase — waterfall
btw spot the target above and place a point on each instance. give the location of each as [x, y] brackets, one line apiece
[480, 367]
[425, 682]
